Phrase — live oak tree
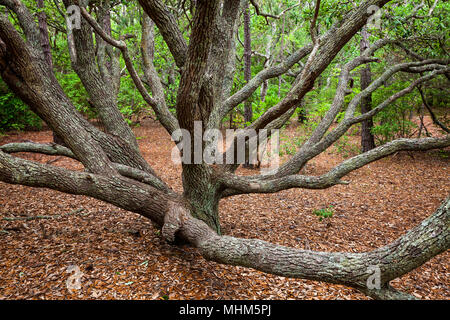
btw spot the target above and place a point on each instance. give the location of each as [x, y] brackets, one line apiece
[116, 172]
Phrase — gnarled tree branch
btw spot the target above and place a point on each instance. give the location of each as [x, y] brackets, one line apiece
[58, 150]
[168, 27]
[158, 104]
[240, 184]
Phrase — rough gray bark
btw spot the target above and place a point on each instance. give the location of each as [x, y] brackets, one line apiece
[117, 173]
[367, 138]
[158, 101]
[330, 44]
[408, 252]
[168, 27]
[224, 50]
[43, 30]
[100, 81]
[248, 110]
[248, 113]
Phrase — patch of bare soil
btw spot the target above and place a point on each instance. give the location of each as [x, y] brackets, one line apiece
[120, 255]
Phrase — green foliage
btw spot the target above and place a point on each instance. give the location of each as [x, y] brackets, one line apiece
[277, 38]
[130, 102]
[324, 213]
[443, 154]
[345, 147]
[15, 114]
[259, 106]
[290, 145]
[75, 90]
[395, 120]
[392, 124]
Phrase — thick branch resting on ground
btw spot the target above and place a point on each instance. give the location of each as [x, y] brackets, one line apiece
[193, 216]
[406, 253]
[58, 150]
[120, 191]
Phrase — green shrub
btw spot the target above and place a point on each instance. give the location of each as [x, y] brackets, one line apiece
[16, 115]
[393, 123]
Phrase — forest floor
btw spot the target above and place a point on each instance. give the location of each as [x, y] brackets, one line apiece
[120, 255]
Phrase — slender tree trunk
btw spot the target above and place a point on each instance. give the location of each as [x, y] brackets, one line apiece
[264, 87]
[269, 59]
[433, 116]
[45, 43]
[281, 54]
[107, 28]
[301, 112]
[248, 112]
[43, 30]
[367, 138]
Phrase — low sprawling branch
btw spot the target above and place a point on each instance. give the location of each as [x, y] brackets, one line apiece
[408, 252]
[246, 184]
[316, 143]
[37, 86]
[58, 150]
[118, 190]
[118, 174]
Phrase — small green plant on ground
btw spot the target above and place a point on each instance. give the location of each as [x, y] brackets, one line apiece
[444, 154]
[324, 213]
[288, 145]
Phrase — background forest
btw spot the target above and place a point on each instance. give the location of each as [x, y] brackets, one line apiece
[268, 32]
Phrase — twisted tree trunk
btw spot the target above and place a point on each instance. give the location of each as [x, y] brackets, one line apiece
[116, 172]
